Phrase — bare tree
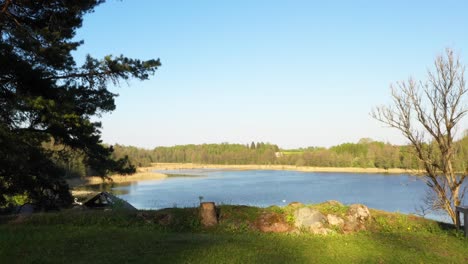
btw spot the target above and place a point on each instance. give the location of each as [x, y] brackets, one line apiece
[427, 113]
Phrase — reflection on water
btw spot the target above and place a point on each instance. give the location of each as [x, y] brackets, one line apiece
[115, 188]
[402, 193]
[170, 175]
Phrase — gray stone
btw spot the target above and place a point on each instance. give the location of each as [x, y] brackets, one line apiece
[306, 217]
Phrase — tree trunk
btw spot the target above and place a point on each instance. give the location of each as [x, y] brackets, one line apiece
[208, 214]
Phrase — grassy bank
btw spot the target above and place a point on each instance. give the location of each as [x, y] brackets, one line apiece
[118, 237]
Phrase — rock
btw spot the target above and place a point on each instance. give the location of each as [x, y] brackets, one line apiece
[334, 203]
[208, 214]
[334, 220]
[306, 217]
[319, 229]
[356, 218]
[353, 226]
[272, 222]
[296, 204]
[359, 213]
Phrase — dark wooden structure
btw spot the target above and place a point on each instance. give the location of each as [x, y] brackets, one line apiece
[105, 200]
[464, 210]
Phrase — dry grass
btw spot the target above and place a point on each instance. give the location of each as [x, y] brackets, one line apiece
[173, 166]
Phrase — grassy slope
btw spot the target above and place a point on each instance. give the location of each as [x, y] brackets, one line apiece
[104, 237]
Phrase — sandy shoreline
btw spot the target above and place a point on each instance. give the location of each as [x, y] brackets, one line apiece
[175, 166]
[143, 174]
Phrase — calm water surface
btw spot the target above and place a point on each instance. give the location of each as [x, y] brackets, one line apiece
[402, 193]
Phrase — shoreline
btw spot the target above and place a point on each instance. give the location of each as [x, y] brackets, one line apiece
[148, 173]
[142, 174]
[175, 166]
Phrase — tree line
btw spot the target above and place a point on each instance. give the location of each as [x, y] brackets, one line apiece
[366, 153]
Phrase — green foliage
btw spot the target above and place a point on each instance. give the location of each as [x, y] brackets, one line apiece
[275, 209]
[290, 219]
[239, 213]
[185, 220]
[330, 208]
[16, 200]
[402, 223]
[263, 153]
[46, 100]
[237, 218]
[364, 154]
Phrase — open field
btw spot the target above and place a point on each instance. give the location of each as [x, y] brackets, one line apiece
[118, 237]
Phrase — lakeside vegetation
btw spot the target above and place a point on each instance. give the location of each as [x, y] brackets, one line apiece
[88, 236]
[364, 154]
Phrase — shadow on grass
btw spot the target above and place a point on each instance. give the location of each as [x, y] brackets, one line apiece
[30, 244]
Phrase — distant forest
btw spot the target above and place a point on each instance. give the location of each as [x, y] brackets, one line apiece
[364, 154]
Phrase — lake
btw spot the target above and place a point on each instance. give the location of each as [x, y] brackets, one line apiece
[394, 193]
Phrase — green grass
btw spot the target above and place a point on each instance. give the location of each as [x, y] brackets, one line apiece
[119, 237]
[330, 208]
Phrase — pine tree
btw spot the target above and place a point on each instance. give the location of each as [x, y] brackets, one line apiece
[252, 145]
[45, 96]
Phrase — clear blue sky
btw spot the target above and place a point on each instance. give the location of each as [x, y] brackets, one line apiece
[294, 73]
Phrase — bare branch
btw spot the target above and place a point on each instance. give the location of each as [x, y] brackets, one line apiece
[433, 108]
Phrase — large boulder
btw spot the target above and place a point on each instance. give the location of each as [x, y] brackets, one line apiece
[359, 213]
[272, 222]
[307, 217]
[356, 218]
